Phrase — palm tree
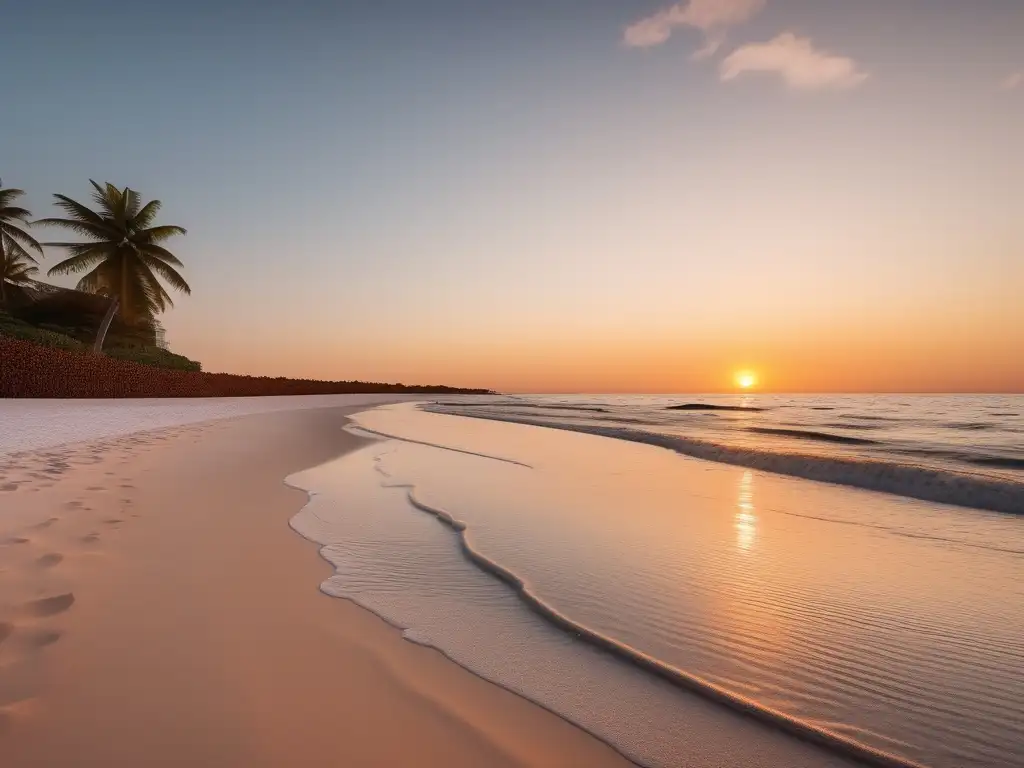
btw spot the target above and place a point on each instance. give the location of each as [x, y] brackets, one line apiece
[14, 272]
[123, 252]
[15, 261]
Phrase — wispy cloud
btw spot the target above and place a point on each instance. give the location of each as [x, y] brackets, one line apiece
[1012, 82]
[795, 60]
[712, 17]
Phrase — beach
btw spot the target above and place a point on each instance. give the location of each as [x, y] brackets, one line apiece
[158, 610]
[374, 580]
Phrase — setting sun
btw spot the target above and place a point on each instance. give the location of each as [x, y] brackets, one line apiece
[746, 379]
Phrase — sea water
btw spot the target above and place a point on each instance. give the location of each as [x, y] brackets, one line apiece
[649, 596]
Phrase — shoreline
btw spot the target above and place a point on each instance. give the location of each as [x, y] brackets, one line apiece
[775, 596]
[163, 612]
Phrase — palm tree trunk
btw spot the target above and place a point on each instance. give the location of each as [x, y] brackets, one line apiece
[101, 334]
[3, 283]
[124, 289]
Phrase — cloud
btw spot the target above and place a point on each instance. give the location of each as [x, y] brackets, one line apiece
[710, 47]
[712, 17]
[1012, 82]
[797, 61]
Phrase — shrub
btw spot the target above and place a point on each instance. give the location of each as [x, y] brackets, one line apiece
[17, 329]
[160, 358]
[60, 337]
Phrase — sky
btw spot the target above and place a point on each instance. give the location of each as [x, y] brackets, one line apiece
[555, 195]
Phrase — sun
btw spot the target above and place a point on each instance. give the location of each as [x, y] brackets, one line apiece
[746, 379]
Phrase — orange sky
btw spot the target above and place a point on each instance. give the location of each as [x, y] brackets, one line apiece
[968, 352]
[832, 194]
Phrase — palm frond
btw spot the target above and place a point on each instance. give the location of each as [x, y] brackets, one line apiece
[13, 212]
[154, 292]
[84, 228]
[69, 246]
[102, 197]
[132, 204]
[176, 281]
[165, 232]
[159, 252]
[14, 249]
[22, 237]
[147, 213]
[8, 196]
[118, 202]
[17, 273]
[79, 211]
[83, 257]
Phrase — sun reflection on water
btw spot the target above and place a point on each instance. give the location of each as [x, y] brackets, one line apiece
[746, 520]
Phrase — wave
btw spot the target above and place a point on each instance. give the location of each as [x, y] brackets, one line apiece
[806, 731]
[591, 409]
[980, 460]
[1002, 462]
[854, 426]
[587, 408]
[707, 407]
[910, 480]
[359, 428]
[865, 417]
[805, 434]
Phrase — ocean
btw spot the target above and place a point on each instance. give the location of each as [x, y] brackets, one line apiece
[698, 580]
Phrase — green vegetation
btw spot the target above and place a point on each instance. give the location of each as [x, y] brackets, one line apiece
[16, 263]
[159, 358]
[10, 326]
[63, 338]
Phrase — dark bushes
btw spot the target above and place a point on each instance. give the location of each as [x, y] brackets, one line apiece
[10, 326]
[161, 358]
[32, 370]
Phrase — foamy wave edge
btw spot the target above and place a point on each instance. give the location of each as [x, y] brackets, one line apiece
[409, 633]
[800, 729]
[824, 738]
[909, 480]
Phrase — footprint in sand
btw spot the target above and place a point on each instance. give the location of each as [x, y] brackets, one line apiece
[49, 606]
[43, 638]
[74, 504]
[50, 560]
[45, 524]
[113, 521]
[9, 487]
[6, 628]
[95, 488]
[14, 540]
[91, 538]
